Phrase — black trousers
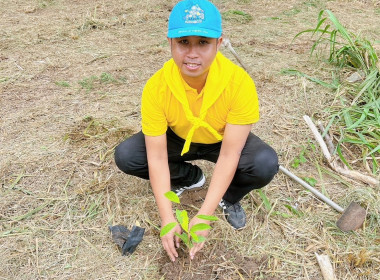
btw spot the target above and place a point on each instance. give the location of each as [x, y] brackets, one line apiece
[257, 165]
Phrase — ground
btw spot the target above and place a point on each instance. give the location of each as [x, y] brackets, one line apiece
[71, 77]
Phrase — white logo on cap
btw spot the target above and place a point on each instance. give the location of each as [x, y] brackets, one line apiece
[194, 15]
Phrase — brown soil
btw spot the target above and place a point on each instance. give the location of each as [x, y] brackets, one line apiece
[219, 263]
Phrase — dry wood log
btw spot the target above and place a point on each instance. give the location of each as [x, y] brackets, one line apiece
[333, 162]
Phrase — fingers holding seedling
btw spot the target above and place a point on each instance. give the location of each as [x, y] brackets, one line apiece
[199, 230]
[169, 241]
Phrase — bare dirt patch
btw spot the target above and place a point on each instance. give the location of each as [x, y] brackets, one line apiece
[218, 264]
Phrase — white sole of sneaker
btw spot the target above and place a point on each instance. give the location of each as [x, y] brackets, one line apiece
[197, 185]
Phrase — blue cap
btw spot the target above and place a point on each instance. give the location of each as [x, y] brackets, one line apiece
[195, 18]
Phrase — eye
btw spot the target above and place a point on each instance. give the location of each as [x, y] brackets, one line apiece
[183, 42]
[204, 42]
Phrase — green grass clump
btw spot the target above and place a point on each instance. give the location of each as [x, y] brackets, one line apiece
[88, 83]
[236, 15]
[45, 3]
[62, 84]
[105, 78]
[355, 116]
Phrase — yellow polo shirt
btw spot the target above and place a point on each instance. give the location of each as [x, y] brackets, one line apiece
[229, 96]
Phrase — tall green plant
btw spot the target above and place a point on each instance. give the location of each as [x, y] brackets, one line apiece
[346, 49]
[357, 118]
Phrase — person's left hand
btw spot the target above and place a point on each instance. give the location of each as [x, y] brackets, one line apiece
[198, 246]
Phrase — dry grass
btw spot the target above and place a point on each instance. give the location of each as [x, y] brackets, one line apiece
[71, 75]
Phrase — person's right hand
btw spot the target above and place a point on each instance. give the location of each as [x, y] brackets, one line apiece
[170, 241]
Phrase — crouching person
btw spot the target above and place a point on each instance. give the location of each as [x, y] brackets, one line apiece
[199, 105]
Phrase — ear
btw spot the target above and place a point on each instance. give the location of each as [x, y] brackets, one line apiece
[219, 42]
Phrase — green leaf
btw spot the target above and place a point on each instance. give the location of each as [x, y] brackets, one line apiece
[374, 150]
[311, 181]
[184, 238]
[293, 210]
[200, 239]
[342, 158]
[166, 229]
[296, 163]
[172, 197]
[265, 199]
[284, 215]
[302, 158]
[183, 219]
[178, 215]
[347, 118]
[199, 227]
[207, 218]
[194, 236]
[33, 211]
[315, 80]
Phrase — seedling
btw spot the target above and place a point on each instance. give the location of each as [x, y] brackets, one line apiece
[188, 236]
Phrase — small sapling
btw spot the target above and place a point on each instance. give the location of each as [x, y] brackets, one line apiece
[188, 236]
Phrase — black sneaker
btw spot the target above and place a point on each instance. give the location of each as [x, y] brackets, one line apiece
[234, 214]
[180, 189]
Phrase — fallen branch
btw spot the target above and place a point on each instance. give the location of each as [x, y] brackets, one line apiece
[333, 163]
[328, 140]
[227, 43]
[326, 267]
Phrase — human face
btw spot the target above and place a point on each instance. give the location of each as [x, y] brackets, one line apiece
[194, 56]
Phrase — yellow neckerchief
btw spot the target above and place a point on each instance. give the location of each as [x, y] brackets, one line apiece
[217, 80]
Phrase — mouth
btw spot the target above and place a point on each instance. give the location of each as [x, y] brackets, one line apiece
[192, 66]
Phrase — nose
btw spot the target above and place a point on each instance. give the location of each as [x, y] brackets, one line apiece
[192, 51]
